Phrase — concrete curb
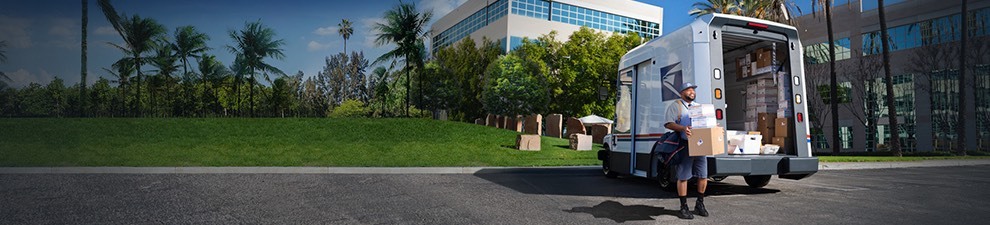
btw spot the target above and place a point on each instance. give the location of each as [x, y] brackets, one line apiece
[422, 170]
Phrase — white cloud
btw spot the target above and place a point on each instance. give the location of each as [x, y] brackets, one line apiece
[439, 7]
[368, 30]
[316, 46]
[105, 30]
[326, 31]
[21, 78]
[14, 31]
[64, 27]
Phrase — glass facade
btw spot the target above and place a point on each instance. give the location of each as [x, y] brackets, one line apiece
[469, 25]
[904, 102]
[599, 20]
[818, 53]
[546, 10]
[845, 136]
[929, 32]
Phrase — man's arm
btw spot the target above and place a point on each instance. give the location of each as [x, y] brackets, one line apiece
[671, 117]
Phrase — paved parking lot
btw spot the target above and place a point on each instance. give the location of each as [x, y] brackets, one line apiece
[935, 195]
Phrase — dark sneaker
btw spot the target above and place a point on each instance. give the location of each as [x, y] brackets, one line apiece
[699, 208]
[685, 213]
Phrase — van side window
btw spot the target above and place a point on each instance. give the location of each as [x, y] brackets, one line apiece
[623, 107]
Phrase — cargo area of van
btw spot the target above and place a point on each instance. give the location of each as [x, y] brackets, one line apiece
[759, 114]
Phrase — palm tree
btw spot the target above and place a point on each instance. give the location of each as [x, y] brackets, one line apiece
[961, 121]
[139, 35]
[3, 59]
[167, 64]
[255, 43]
[773, 10]
[189, 43]
[213, 73]
[715, 6]
[405, 27]
[826, 5]
[122, 69]
[82, 70]
[345, 31]
[895, 145]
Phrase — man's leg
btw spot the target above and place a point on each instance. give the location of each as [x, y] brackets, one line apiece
[701, 170]
[683, 175]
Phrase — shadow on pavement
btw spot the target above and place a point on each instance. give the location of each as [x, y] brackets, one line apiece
[590, 182]
[619, 213]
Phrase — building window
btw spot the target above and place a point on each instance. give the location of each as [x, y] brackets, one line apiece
[845, 91]
[845, 136]
[469, 25]
[818, 53]
[599, 20]
[929, 32]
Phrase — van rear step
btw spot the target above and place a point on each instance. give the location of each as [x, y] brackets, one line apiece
[787, 166]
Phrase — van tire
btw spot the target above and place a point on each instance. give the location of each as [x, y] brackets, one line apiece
[607, 170]
[757, 181]
[607, 165]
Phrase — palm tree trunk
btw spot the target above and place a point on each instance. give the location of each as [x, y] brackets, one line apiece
[895, 145]
[834, 92]
[407, 85]
[137, 67]
[961, 127]
[82, 70]
[251, 93]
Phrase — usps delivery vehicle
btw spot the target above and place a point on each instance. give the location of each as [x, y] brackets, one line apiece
[705, 53]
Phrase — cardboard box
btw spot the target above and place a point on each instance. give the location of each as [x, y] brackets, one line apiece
[706, 141]
[554, 125]
[580, 142]
[735, 139]
[701, 110]
[598, 132]
[534, 124]
[765, 120]
[782, 127]
[763, 58]
[704, 122]
[528, 142]
[767, 133]
[786, 144]
[750, 145]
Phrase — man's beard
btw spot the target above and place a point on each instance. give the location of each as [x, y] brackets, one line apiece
[689, 98]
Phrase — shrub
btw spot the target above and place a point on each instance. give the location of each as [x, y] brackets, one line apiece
[349, 109]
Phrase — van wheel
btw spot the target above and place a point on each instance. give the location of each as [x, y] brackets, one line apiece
[607, 170]
[667, 178]
[607, 166]
[757, 181]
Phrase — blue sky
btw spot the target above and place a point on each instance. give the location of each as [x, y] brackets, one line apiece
[43, 36]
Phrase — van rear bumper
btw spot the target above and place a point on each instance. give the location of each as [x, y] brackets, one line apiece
[786, 166]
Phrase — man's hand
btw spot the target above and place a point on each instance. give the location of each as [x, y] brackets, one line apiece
[687, 130]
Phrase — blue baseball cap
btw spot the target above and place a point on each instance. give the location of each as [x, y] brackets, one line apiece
[687, 85]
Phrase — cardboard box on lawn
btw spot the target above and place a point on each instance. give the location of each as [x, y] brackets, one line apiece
[706, 141]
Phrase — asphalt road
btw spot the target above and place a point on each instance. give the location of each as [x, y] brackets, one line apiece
[941, 195]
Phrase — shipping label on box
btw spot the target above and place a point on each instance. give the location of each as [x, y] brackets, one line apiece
[706, 141]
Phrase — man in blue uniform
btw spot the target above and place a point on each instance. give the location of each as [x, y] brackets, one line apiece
[678, 120]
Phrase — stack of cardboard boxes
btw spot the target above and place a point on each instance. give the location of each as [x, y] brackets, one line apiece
[761, 97]
[758, 62]
[707, 137]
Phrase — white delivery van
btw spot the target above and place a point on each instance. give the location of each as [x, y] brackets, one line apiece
[709, 53]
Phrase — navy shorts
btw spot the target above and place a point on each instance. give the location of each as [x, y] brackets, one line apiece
[693, 166]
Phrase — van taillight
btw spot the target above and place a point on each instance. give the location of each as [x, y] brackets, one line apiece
[757, 25]
[718, 114]
[800, 117]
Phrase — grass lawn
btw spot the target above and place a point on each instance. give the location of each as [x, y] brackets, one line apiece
[270, 142]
